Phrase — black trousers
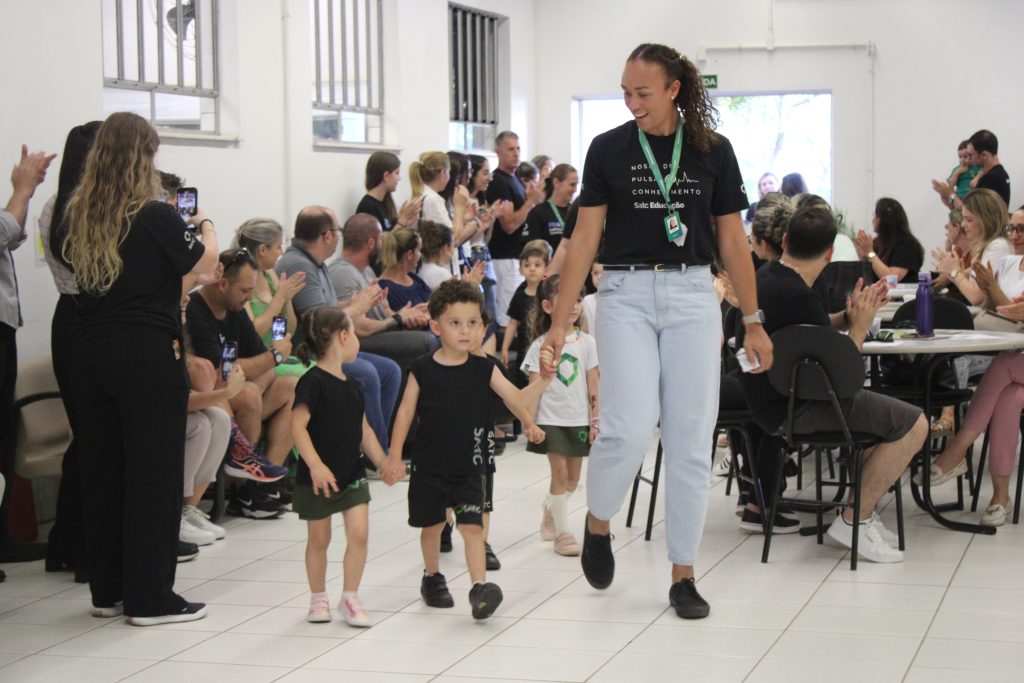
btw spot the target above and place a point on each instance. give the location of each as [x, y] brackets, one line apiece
[68, 532]
[8, 378]
[130, 400]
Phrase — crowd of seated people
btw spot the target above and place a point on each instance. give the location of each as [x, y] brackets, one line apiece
[499, 233]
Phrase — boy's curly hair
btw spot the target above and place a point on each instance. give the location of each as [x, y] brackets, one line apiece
[453, 292]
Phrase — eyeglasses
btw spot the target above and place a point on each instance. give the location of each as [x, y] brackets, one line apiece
[1015, 229]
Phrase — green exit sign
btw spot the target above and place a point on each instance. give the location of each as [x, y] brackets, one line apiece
[710, 80]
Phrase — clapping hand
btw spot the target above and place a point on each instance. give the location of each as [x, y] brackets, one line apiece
[945, 262]
[30, 171]
[983, 275]
[475, 275]
[1014, 310]
[864, 244]
[290, 285]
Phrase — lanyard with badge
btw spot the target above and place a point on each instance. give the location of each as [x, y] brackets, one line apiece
[674, 228]
[558, 216]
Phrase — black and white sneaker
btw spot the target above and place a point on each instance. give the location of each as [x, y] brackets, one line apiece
[190, 612]
[278, 492]
[597, 559]
[250, 501]
[434, 590]
[187, 551]
[752, 522]
[484, 598]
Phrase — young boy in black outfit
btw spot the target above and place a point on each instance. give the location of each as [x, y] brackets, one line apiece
[451, 392]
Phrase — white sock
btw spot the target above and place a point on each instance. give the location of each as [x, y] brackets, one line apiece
[558, 513]
[348, 595]
[549, 500]
[313, 596]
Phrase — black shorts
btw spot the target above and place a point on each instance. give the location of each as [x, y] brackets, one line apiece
[430, 494]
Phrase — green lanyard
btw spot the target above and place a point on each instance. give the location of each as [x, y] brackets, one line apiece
[664, 184]
[558, 216]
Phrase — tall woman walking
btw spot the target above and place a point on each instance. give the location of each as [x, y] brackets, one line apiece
[129, 384]
[665, 186]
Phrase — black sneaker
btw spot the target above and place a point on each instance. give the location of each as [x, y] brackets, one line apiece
[752, 522]
[493, 564]
[790, 468]
[277, 492]
[250, 501]
[597, 559]
[741, 503]
[434, 590]
[187, 551]
[446, 538]
[687, 601]
[484, 598]
[190, 612]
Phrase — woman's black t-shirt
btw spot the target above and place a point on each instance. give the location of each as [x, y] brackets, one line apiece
[335, 425]
[543, 224]
[906, 253]
[616, 175]
[155, 254]
[505, 245]
[375, 208]
[455, 411]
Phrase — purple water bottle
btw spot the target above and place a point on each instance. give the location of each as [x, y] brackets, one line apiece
[925, 306]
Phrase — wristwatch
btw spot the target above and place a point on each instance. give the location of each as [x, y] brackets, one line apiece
[278, 358]
[953, 273]
[755, 317]
[397, 317]
[871, 256]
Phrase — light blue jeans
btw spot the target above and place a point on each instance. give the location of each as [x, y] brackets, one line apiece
[658, 340]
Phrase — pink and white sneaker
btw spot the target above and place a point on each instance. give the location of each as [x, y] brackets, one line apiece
[355, 613]
[319, 609]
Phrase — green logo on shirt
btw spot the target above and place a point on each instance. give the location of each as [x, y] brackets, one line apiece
[568, 369]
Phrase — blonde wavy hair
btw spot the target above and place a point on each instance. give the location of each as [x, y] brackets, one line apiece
[990, 210]
[119, 178]
[426, 170]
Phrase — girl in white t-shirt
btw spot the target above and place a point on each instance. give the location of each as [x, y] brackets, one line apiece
[568, 411]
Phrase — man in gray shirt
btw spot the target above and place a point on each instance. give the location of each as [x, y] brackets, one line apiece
[26, 177]
[381, 330]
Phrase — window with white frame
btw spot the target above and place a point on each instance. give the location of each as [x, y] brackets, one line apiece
[160, 61]
[473, 78]
[348, 57]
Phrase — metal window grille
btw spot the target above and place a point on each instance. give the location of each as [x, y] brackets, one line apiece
[473, 80]
[348, 57]
[160, 61]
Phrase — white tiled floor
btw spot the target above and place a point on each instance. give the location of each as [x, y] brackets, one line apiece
[953, 610]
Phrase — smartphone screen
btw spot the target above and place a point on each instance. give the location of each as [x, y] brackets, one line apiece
[228, 356]
[278, 328]
[188, 202]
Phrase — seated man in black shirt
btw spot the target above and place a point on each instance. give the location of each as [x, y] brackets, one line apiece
[785, 294]
[216, 316]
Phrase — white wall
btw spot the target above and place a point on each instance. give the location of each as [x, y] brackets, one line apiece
[942, 69]
[267, 166]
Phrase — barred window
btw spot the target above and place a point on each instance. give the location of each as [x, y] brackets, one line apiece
[348, 57]
[473, 78]
[160, 61]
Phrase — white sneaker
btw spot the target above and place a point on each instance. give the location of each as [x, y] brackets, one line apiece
[724, 465]
[354, 612]
[892, 539]
[319, 609]
[870, 544]
[187, 533]
[201, 520]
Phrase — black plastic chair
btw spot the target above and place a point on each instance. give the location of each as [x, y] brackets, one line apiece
[949, 314]
[816, 363]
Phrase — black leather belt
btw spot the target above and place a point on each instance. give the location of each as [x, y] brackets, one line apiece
[656, 267]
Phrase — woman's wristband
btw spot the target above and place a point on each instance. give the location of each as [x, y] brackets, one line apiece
[204, 222]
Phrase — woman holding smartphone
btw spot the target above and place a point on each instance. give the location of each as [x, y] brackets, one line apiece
[272, 299]
[663, 185]
[129, 253]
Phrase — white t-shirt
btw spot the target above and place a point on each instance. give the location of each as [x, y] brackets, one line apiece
[1008, 274]
[435, 210]
[996, 249]
[588, 318]
[434, 275]
[566, 401]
